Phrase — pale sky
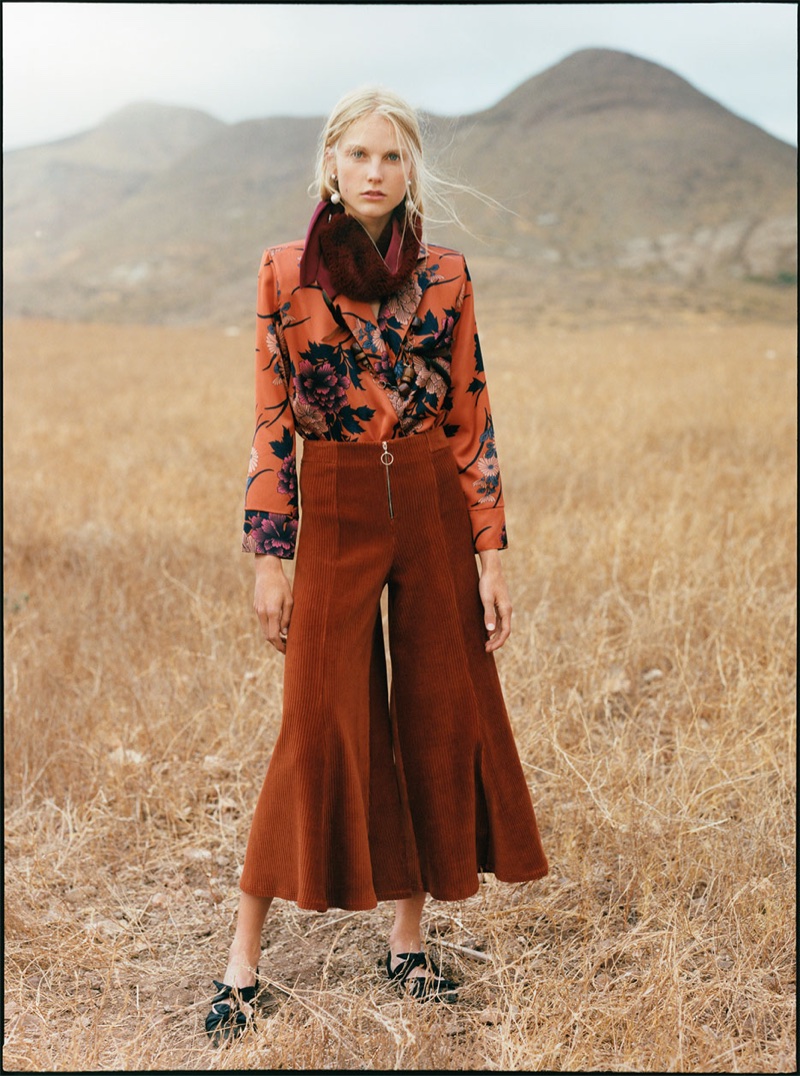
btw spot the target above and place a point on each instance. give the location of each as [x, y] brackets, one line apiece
[68, 66]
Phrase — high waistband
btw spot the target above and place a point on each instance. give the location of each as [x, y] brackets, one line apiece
[406, 449]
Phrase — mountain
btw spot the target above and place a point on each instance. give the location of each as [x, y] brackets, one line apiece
[64, 186]
[605, 164]
[612, 159]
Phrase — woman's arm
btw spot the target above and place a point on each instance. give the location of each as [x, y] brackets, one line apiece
[473, 443]
[471, 429]
[271, 501]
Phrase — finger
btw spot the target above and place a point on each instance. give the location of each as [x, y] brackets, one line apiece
[286, 616]
[274, 633]
[505, 625]
[283, 626]
[270, 620]
[489, 617]
[263, 621]
[490, 621]
[503, 629]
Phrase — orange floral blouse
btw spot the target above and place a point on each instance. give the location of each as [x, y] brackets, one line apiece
[326, 369]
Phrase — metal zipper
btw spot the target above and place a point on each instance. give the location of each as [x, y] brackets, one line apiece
[387, 459]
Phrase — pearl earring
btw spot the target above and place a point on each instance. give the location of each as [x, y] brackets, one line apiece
[335, 197]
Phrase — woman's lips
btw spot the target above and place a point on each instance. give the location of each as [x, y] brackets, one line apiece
[373, 196]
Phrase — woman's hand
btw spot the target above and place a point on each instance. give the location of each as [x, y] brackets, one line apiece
[496, 602]
[272, 600]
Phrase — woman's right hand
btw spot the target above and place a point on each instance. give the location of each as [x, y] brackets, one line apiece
[272, 600]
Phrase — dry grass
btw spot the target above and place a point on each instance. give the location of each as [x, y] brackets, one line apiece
[650, 475]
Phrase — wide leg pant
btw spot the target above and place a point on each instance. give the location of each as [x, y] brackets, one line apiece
[373, 796]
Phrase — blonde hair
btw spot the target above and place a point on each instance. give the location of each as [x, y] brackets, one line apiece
[424, 187]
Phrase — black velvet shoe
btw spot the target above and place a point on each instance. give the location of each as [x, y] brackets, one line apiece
[429, 987]
[232, 1012]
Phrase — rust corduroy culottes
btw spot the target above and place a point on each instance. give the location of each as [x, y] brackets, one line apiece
[370, 797]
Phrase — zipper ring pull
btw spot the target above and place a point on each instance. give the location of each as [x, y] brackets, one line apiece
[386, 457]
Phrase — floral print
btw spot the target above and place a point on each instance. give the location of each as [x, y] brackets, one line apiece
[328, 368]
[269, 532]
[321, 388]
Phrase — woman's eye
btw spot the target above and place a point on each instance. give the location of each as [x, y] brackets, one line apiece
[357, 153]
[393, 156]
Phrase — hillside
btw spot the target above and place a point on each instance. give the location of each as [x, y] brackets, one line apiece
[609, 166]
[58, 189]
[611, 159]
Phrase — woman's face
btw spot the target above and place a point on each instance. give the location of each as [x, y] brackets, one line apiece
[372, 178]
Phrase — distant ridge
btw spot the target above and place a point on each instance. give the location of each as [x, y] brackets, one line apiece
[596, 80]
[609, 163]
[146, 136]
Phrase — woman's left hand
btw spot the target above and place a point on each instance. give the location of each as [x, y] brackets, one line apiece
[495, 600]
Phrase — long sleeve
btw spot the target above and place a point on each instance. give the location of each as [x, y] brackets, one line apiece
[271, 500]
[470, 427]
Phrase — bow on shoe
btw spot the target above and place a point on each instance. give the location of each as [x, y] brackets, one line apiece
[432, 986]
[231, 1012]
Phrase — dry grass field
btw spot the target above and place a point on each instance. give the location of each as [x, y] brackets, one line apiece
[650, 479]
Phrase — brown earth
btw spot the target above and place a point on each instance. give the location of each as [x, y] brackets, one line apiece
[650, 474]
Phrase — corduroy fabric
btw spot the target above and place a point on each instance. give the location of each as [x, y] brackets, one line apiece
[373, 795]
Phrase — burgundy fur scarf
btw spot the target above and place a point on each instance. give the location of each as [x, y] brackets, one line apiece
[341, 257]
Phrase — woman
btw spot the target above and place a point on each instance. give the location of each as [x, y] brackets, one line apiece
[367, 347]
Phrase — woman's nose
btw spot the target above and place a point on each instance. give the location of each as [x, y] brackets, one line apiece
[375, 168]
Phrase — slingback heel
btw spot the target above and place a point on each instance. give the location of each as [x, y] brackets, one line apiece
[432, 986]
